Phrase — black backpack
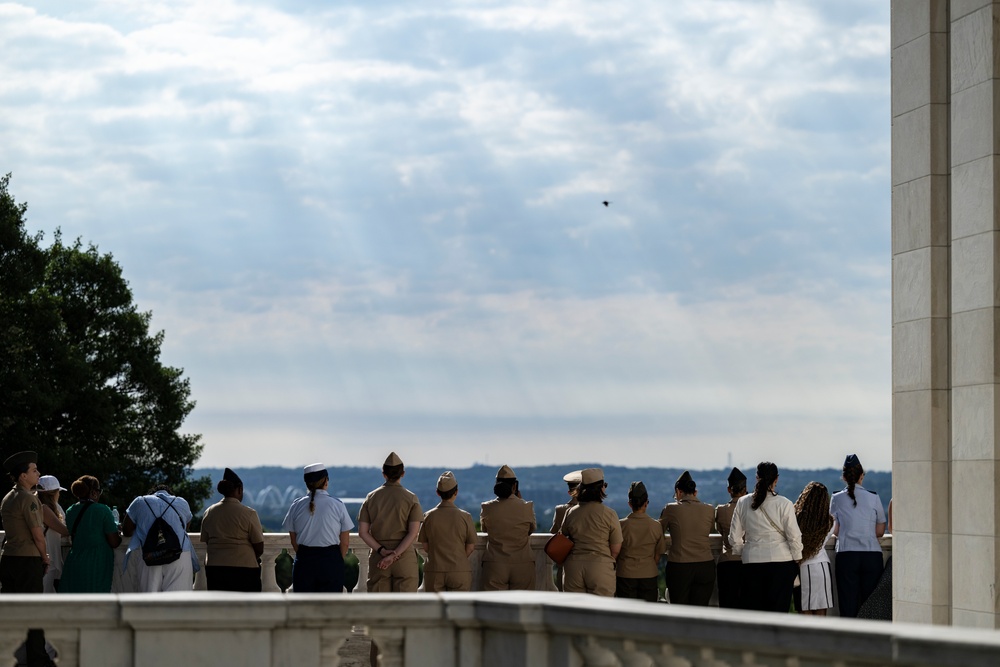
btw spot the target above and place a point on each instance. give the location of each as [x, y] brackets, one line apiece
[161, 545]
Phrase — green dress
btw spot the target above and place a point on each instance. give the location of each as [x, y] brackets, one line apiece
[90, 565]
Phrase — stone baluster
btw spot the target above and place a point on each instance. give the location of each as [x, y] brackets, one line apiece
[331, 640]
[631, 656]
[362, 586]
[668, 658]
[593, 654]
[10, 640]
[708, 658]
[67, 643]
[390, 643]
[268, 584]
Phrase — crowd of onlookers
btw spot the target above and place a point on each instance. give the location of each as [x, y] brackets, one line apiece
[774, 553]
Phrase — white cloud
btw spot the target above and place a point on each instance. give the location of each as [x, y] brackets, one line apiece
[394, 210]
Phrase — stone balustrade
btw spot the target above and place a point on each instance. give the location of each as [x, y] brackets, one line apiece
[531, 629]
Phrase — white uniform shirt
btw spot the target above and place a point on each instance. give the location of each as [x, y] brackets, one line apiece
[857, 523]
[755, 539]
[323, 527]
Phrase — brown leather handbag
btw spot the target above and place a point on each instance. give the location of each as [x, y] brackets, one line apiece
[558, 548]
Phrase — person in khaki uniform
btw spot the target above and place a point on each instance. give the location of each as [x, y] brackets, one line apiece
[449, 538]
[234, 539]
[728, 571]
[508, 521]
[24, 556]
[572, 482]
[388, 522]
[597, 539]
[643, 544]
[690, 563]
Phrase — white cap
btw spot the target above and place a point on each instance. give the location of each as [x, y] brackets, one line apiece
[49, 483]
[315, 467]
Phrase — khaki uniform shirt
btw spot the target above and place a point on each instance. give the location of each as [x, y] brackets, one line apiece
[21, 511]
[643, 543]
[594, 528]
[446, 532]
[723, 520]
[508, 524]
[560, 514]
[389, 510]
[230, 527]
[689, 523]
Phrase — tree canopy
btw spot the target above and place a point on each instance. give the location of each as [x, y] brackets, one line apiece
[81, 381]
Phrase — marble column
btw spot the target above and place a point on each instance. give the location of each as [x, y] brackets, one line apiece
[975, 310]
[921, 312]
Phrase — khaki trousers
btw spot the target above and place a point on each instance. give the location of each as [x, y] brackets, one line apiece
[504, 576]
[589, 576]
[443, 582]
[401, 577]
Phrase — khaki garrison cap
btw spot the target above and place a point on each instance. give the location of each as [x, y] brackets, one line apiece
[393, 460]
[685, 477]
[447, 482]
[637, 489]
[591, 475]
[505, 473]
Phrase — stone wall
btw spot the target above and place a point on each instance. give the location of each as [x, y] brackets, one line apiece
[464, 629]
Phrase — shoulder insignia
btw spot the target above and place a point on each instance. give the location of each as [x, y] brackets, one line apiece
[871, 492]
[34, 507]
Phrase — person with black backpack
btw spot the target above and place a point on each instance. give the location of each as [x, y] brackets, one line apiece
[157, 525]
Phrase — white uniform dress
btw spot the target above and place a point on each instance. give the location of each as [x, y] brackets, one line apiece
[816, 578]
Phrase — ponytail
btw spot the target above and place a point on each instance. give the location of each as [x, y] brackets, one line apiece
[767, 473]
[853, 473]
[313, 487]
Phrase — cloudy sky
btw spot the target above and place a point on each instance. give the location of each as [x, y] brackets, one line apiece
[379, 225]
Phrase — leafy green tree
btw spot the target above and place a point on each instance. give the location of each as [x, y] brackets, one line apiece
[81, 381]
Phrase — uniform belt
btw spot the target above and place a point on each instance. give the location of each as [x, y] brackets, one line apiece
[306, 547]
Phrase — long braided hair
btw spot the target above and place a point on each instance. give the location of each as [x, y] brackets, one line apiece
[767, 472]
[852, 475]
[812, 512]
[314, 485]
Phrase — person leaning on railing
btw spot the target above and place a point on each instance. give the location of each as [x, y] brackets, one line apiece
[643, 544]
[449, 538]
[767, 536]
[508, 521]
[572, 484]
[234, 539]
[597, 539]
[729, 570]
[814, 595]
[690, 565]
[860, 522]
[90, 564]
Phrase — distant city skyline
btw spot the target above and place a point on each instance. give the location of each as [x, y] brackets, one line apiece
[381, 226]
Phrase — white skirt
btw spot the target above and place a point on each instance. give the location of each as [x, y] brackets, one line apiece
[817, 585]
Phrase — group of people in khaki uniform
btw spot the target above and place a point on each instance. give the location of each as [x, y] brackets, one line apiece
[610, 556]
